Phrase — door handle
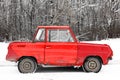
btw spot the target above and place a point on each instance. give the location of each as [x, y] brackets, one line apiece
[48, 47]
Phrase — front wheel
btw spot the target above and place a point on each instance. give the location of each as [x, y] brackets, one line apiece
[27, 65]
[92, 64]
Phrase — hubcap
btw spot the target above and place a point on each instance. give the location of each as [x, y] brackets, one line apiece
[27, 66]
[92, 64]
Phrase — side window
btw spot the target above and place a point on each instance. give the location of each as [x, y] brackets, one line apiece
[40, 35]
[53, 36]
[57, 35]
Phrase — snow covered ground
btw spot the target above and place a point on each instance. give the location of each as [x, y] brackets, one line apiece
[8, 70]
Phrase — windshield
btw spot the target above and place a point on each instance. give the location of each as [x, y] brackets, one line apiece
[40, 35]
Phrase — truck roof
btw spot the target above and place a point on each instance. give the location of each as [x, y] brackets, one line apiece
[63, 27]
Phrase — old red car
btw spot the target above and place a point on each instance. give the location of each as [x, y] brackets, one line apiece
[58, 46]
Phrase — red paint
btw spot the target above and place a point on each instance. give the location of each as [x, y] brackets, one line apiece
[58, 53]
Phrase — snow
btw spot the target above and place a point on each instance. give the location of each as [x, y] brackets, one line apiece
[117, 10]
[9, 71]
[93, 5]
[109, 21]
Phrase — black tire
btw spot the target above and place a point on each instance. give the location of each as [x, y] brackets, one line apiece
[92, 64]
[27, 65]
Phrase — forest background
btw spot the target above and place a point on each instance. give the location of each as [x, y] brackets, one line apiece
[89, 19]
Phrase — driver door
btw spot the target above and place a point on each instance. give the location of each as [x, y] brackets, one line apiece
[61, 49]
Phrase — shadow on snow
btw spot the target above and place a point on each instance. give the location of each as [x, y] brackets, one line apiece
[58, 69]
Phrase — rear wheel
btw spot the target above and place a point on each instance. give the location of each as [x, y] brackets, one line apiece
[27, 65]
[92, 64]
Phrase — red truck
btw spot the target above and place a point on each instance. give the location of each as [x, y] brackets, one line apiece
[58, 46]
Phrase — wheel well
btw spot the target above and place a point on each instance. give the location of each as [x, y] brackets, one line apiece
[30, 57]
[98, 57]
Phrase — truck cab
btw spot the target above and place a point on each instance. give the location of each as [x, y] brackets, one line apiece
[58, 46]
